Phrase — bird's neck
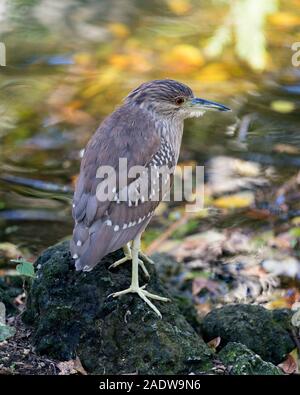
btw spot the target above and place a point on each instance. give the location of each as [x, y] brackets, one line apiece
[168, 126]
[171, 130]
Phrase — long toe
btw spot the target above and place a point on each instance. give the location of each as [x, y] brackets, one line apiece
[156, 297]
[120, 261]
[146, 258]
[120, 293]
[141, 263]
[141, 293]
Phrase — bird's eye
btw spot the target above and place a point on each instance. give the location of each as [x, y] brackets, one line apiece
[179, 100]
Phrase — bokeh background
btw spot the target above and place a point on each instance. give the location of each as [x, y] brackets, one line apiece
[69, 63]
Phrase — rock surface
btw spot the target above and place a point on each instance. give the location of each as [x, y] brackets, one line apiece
[263, 331]
[242, 361]
[71, 315]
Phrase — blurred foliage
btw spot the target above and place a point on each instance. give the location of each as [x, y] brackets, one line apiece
[247, 19]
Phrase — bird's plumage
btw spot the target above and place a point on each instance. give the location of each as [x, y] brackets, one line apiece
[146, 131]
[103, 227]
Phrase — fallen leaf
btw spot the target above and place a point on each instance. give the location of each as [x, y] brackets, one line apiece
[286, 148]
[256, 213]
[78, 367]
[289, 366]
[179, 7]
[202, 283]
[66, 368]
[119, 30]
[288, 266]
[183, 58]
[214, 343]
[73, 366]
[239, 200]
[213, 72]
[283, 106]
[284, 19]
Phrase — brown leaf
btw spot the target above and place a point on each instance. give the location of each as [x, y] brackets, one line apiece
[289, 366]
[66, 368]
[214, 343]
[201, 283]
[73, 366]
[78, 367]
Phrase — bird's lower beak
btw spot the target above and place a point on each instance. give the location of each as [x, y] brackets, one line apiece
[203, 104]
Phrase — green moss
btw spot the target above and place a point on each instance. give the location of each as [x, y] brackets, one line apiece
[261, 330]
[71, 315]
[239, 360]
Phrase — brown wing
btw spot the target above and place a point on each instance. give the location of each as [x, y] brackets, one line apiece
[104, 226]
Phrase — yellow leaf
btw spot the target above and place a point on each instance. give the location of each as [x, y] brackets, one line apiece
[283, 106]
[179, 7]
[119, 30]
[239, 200]
[120, 61]
[83, 58]
[104, 79]
[280, 303]
[284, 19]
[214, 72]
[184, 57]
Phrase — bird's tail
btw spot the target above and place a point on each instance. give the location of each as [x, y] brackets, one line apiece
[89, 245]
[79, 244]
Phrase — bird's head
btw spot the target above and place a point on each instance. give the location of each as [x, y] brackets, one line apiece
[169, 98]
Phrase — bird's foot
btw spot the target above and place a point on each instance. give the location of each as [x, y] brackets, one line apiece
[145, 295]
[120, 261]
[146, 258]
[126, 258]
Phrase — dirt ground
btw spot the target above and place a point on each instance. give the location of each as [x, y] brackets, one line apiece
[17, 355]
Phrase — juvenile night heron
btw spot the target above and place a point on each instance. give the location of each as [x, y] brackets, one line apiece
[146, 130]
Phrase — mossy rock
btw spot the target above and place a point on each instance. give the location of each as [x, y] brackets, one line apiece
[239, 360]
[70, 315]
[263, 331]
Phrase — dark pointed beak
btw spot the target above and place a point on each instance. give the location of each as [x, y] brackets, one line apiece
[208, 105]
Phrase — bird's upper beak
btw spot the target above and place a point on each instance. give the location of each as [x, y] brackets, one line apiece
[202, 104]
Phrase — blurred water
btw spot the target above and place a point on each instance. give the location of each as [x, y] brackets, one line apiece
[69, 63]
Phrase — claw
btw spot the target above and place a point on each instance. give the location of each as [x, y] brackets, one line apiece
[146, 258]
[128, 257]
[141, 263]
[143, 294]
[120, 261]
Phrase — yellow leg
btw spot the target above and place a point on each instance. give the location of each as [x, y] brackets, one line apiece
[128, 257]
[134, 287]
[146, 258]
